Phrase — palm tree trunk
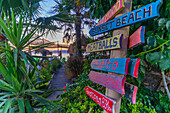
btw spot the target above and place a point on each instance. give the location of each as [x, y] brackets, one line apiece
[78, 35]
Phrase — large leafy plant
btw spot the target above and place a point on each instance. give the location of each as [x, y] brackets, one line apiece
[19, 91]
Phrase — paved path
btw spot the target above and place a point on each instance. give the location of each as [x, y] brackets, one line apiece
[58, 82]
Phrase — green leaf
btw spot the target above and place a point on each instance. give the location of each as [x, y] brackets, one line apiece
[33, 40]
[43, 100]
[29, 82]
[168, 25]
[33, 91]
[7, 105]
[7, 32]
[25, 31]
[164, 63]
[20, 28]
[12, 110]
[23, 55]
[15, 56]
[27, 38]
[28, 106]
[14, 24]
[7, 89]
[155, 56]
[21, 105]
[1, 104]
[4, 72]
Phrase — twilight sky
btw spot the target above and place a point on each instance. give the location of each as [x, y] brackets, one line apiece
[46, 8]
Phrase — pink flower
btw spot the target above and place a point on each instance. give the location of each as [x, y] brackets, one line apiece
[64, 88]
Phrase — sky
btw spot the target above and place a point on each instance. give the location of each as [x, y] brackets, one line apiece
[46, 8]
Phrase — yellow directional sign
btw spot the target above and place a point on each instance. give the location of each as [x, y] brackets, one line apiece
[106, 44]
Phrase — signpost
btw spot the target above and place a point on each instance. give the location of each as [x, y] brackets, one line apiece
[106, 44]
[121, 53]
[137, 37]
[105, 102]
[113, 82]
[116, 8]
[146, 12]
[117, 65]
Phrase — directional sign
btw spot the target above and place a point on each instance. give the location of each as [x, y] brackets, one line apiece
[106, 103]
[116, 8]
[146, 12]
[110, 81]
[137, 37]
[131, 92]
[133, 67]
[106, 44]
[116, 65]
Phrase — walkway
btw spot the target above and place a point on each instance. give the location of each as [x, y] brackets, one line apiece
[59, 81]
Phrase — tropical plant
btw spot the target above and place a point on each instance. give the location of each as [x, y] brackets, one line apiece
[19, 91]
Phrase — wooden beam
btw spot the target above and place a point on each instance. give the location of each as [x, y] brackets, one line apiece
[120, 53]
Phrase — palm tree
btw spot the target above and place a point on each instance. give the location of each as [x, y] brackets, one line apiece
[81, 15]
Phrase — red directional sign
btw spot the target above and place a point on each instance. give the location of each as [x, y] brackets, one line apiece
[106, 103]
[137, 37]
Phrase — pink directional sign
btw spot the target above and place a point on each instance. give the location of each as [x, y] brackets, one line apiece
[131, 92]
[116, 65]
[110, 81]
[137, 37]
[106, 103]
[116, 8]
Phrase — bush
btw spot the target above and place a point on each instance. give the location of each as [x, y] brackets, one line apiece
[74, 67]
[55, 64]
[76, 100]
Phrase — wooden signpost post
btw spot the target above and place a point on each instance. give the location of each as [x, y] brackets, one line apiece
[121, 53]
[105, 102]
[116, 8]
[106, 44]
[117, 65]
[113, 82]
[137, 37]
[146, 12]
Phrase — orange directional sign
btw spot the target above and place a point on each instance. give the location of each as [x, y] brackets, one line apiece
[116, 8]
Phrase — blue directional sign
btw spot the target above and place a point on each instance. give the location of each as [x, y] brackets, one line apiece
[146, 12]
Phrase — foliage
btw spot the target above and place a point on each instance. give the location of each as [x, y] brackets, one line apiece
[19, 6]
[76, 100]
[98, 8]
[19, 85]
[55, 64]
[74, 67]
[147, 102]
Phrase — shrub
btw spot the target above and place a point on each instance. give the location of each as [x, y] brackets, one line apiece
[74, 67]
[55, 64]
[76, 100]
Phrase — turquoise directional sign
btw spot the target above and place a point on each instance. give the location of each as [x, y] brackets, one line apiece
[146, 12]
